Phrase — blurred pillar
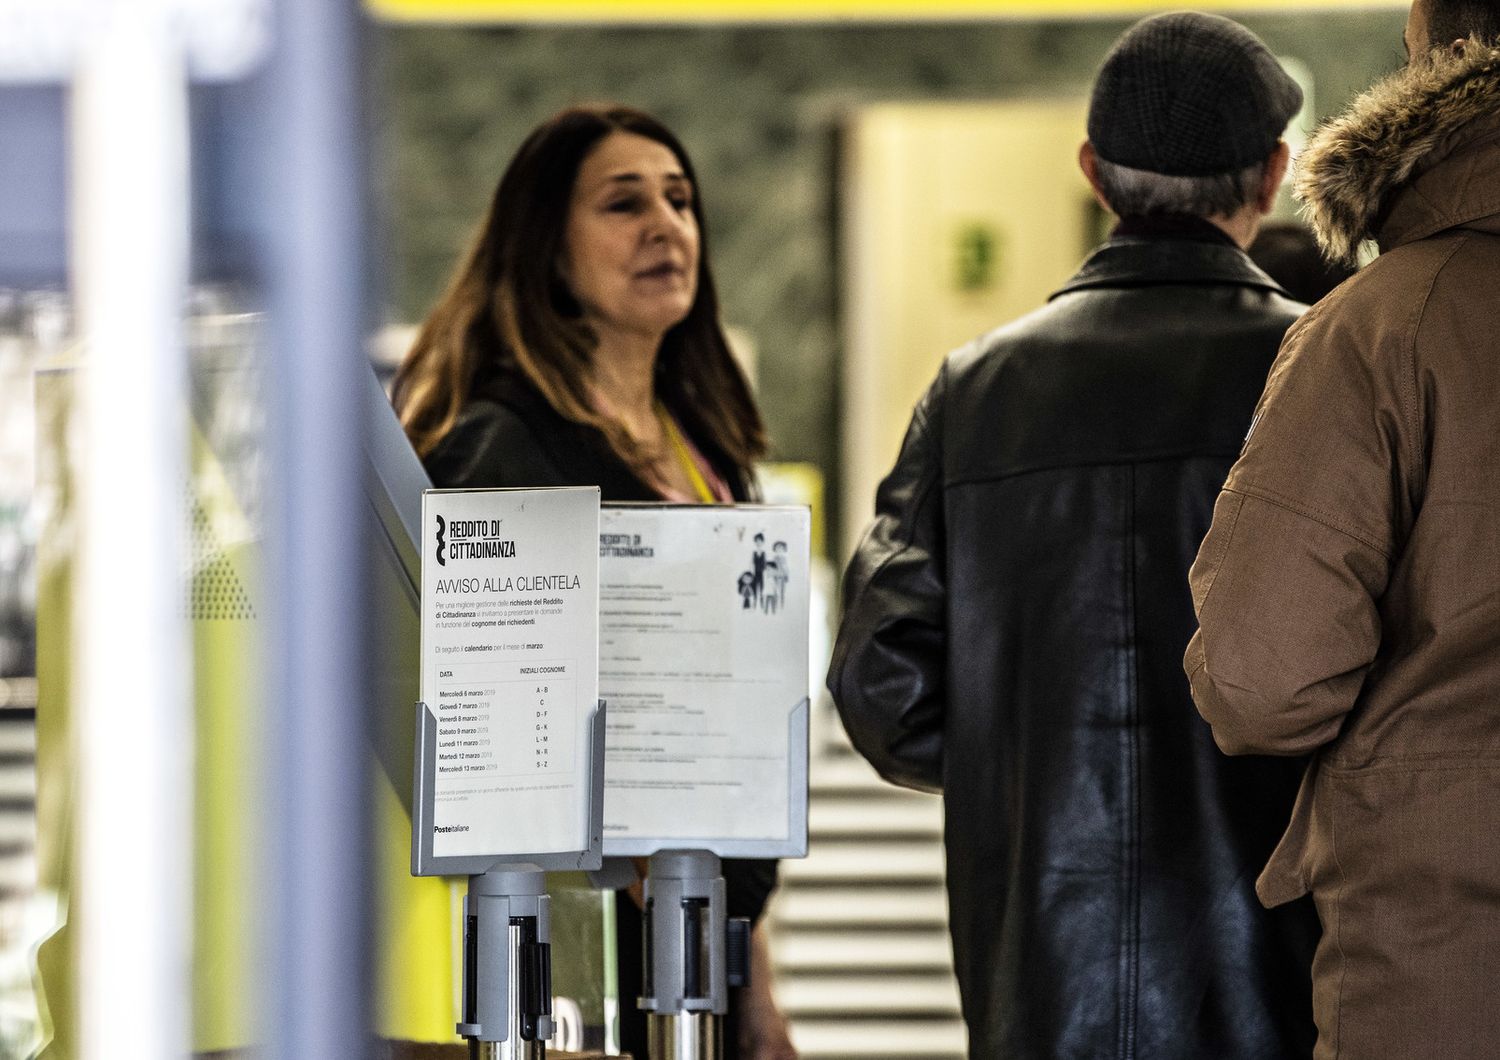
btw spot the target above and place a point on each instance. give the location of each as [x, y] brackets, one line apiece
[129, 163]
[316, 981]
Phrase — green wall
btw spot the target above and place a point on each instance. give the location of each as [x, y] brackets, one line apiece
[759, 109]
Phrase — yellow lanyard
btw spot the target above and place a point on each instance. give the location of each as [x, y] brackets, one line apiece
[685, 456]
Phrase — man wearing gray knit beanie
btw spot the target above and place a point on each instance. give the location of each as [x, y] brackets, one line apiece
[1015, 616]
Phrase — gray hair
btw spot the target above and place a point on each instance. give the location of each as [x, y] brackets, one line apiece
[1136, 192]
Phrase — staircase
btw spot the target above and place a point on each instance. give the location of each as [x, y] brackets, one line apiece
[18, 916]
[859, 929]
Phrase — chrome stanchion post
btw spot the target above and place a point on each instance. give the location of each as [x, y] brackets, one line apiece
[690, 962]
[507, 966]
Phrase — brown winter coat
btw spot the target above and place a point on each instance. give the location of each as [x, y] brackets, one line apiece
[1348, 592]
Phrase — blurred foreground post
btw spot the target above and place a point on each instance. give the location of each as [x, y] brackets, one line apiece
[316, 979]
[135, 724]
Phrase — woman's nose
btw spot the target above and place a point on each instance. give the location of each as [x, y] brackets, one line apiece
[666, 220]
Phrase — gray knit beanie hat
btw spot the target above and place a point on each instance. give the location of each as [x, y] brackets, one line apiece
[1189, 94]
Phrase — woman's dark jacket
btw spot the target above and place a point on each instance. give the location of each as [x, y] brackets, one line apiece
[509, 436]
[1013, 635]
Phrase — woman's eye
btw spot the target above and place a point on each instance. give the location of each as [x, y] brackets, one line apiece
[628, 205]
[680, 203]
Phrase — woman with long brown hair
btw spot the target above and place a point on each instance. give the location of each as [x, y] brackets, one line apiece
[578, 343]
[587, 288]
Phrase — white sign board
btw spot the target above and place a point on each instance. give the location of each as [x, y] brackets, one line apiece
[703, 664]
[510, 599]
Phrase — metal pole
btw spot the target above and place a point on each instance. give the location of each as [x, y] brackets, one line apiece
[316, 983]
[685, 1036]
[135, 728]
[687, 981]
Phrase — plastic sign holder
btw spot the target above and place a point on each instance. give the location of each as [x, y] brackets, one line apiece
[704, 661]
[704, 643]
[425, 863]
[508, 763]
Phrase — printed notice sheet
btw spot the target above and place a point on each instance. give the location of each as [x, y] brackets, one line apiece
[510, 597]
[703, 628]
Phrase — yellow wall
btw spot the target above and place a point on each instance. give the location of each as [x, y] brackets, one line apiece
[924, 182]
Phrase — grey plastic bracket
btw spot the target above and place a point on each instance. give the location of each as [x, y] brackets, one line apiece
[500, 959]
[686, 943]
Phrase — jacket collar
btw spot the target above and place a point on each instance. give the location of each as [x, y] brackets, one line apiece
[1128, 261]
[1171, 226]
[1416, 154]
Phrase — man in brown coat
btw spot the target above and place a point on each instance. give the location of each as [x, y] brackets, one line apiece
[1348, 592]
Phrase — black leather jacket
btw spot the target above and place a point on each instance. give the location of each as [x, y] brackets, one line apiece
[1013, 636]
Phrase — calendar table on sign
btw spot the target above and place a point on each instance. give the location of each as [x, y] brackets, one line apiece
[503, 720]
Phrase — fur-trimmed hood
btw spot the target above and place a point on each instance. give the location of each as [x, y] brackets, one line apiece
[1396, 135]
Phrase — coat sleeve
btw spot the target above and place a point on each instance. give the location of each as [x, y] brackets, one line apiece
[889, 659]
[1288, 581]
